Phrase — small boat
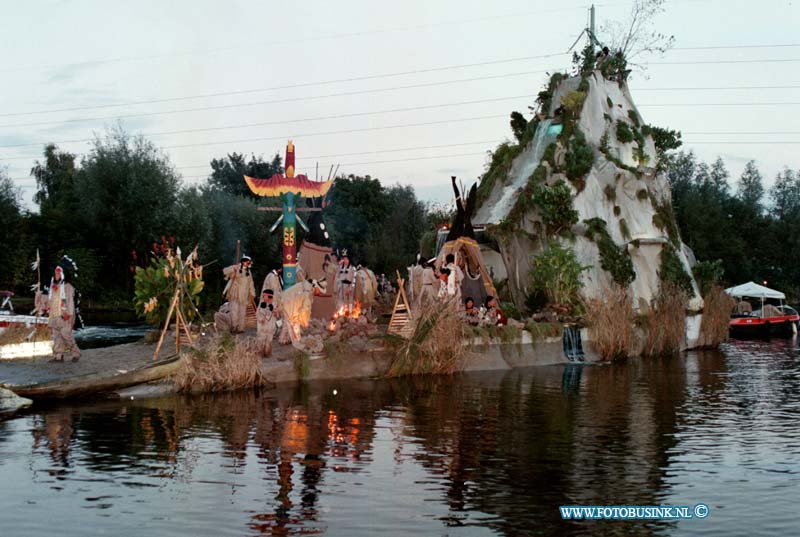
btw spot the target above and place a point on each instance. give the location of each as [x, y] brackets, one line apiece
[761, 312]
[97, 383]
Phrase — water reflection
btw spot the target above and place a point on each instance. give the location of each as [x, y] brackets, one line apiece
[474, 454]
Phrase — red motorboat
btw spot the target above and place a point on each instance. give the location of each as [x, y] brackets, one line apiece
[761, 312]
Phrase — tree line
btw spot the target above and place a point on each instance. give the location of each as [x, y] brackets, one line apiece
[746, 230]
[120, 204]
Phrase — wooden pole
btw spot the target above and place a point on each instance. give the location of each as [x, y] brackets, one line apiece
[166, 324]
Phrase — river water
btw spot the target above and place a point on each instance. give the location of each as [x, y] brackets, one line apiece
[476, 454]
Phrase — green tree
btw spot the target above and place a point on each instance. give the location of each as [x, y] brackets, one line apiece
[227, 174]
[10, 220]
[750, 189]
[127, 190]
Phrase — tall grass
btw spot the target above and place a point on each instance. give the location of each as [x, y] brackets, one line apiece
[665, 324]
[220, 364]
[717, 306]
[610, 320]
[436, 346]
[20, 334]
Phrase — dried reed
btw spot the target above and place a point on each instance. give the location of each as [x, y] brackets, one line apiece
[717, 306]
[665, 324]
[610, 320]
[20, 334]
[436, 346]
[222, 363]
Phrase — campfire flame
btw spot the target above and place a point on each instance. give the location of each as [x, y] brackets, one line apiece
[345, 314]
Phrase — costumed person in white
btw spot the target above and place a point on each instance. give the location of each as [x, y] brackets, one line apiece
[345, 283]
[296, 309]
[366, 292]
[266, 324]
[274, 282]
[455, 277]
[240, 292]
[61, 307]
[429, 288]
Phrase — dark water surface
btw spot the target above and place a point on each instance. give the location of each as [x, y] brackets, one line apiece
[477, 454]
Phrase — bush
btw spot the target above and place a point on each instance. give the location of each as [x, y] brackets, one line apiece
[673, 272]
[624, 133]
[634, 117]
[556, 273]
[613, 259]
[579, 158]
[610, 192]
[155, 286]
[555, 206]
[573, 103]
[518, 125]
[707, 274]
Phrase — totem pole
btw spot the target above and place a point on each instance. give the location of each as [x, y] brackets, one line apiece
[289, 188]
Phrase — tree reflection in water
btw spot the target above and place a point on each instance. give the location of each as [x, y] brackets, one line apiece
[500, 450]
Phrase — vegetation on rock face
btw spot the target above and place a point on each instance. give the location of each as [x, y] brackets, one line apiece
[624, 133]
[518, 125]
[613, 259]
[672, 270]
[579, 158]
[707, 274]
[556, 273]
[555, 207]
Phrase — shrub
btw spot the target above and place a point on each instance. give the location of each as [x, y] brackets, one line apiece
[579, 158]
[707, 274]
[642, 194]
[556, 273]
[664, 219]
[549, 155]
[624, 133]
[518, 125]
[610, 192]
[610, 320]
[539, 174]
[613, 259]
[634, 117]
[545, 97]
[617, 210]
[609, 102]
[555, 206]
[573, 103]
[672, 270]
[155, 286]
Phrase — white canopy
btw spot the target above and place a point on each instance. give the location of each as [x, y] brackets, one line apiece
[754, 290]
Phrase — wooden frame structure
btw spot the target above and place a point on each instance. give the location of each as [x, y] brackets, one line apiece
[401, 322]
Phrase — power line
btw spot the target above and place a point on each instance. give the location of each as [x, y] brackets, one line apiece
[308, 135]
[720, 62]
[273, 101]
[291, 121]
[653, 105]
[718, 88]
[294, 41]
[290, 86]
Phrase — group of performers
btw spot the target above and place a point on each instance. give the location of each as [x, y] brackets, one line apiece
[354, 287]
[427, 284]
